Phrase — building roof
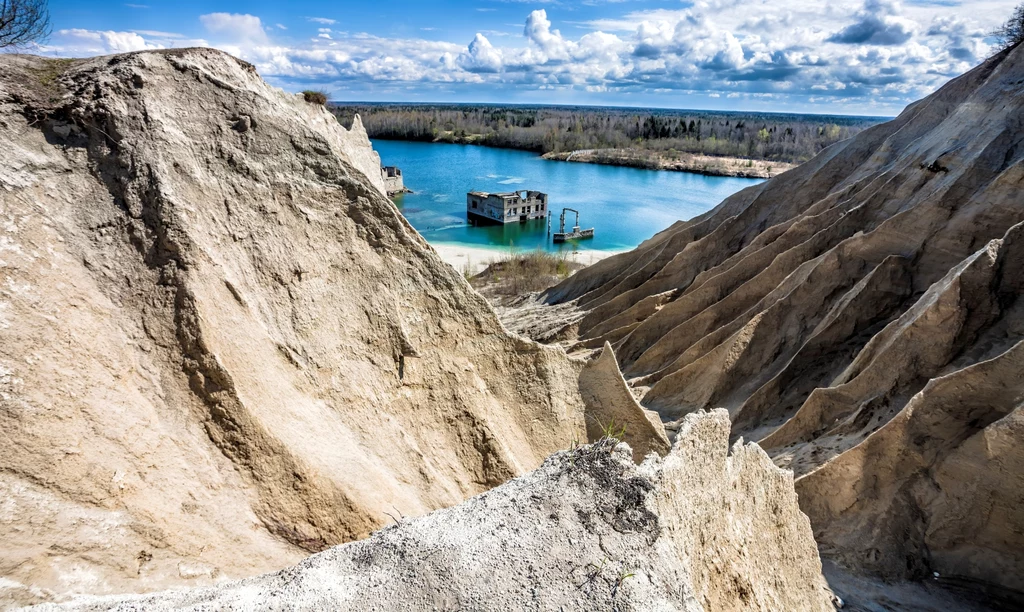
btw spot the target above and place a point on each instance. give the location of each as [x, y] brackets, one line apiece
[505, 194]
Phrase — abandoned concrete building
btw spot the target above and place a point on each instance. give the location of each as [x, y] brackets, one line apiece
[506, 207]
[393, 182]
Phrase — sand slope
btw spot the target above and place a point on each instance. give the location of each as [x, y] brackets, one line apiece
[221, 346]
[860, 317]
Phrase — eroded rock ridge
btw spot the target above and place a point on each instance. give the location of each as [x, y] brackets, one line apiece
[860, 317]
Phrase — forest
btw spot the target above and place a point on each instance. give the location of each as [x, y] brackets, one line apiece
[788, 138]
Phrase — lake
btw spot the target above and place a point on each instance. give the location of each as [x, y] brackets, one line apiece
[625, 206]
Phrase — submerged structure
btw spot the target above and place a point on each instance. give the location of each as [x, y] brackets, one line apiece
[393, 181]
[576, 234]
[521, 206]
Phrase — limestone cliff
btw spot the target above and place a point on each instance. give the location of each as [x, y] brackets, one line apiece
[708, 528]
[861, 317]
[221, 346]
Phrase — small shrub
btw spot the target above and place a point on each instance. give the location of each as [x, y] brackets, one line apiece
[315, 96]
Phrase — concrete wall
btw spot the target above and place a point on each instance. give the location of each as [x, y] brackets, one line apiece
[491, 208]
[393, 181]
[502, 208]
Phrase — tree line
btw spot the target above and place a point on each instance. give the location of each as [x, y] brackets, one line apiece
[790, 138]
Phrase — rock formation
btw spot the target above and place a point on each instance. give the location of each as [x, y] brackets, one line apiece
[704, 529]
[613, 411]
[221, 346]
[860, 317]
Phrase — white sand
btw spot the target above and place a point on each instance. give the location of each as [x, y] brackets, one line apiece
[475, 259]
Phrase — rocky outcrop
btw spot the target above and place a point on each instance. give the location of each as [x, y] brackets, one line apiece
[707, 528]
[221, 346]
[860, 317]
[613, 411]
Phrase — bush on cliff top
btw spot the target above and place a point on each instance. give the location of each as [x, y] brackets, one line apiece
[315, 96]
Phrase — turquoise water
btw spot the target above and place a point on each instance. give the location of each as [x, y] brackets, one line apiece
[625, 206]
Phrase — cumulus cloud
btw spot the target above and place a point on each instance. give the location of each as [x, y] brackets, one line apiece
[480, 56]
[104, 41]
[235, 28]
[877, 24]
[844, 53]
[538, 31]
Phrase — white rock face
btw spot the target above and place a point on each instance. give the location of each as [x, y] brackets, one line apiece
[703, 530]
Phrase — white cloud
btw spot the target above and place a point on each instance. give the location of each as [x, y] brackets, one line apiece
[843, 53]
[480, 56]
[77, 41]
[234, 28]
[538, 31]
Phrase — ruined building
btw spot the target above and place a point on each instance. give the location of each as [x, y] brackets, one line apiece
[506, 207]
[393, 182]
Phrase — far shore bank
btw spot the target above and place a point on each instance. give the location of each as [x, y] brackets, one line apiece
[708, 165]
[473, 260]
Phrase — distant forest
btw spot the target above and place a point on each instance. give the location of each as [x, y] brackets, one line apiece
[791, 138]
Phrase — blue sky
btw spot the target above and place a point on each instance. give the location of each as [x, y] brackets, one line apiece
[826, 56]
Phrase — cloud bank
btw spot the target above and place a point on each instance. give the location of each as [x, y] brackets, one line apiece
[863, 55]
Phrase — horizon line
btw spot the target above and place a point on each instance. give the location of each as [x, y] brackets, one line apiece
[603, 106]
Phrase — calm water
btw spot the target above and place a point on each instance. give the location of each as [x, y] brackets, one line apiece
[625, 206]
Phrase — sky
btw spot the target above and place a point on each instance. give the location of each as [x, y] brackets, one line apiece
[863, 57]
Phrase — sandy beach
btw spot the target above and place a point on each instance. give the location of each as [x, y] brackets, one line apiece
[475, 259]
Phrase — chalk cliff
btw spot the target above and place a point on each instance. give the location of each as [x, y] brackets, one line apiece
[861, 318]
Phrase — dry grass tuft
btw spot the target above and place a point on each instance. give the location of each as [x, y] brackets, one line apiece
[521, 273]
[315, 96]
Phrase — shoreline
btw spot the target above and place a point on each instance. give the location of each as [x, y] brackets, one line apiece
[473, 259]
[693, 163]
[707, 165]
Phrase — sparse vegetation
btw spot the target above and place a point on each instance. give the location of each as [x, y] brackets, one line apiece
[23, 22]
[1012, 30]
[611, 431]
[623, 576]
[521, 273]
[315, 96]
[52, 69]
